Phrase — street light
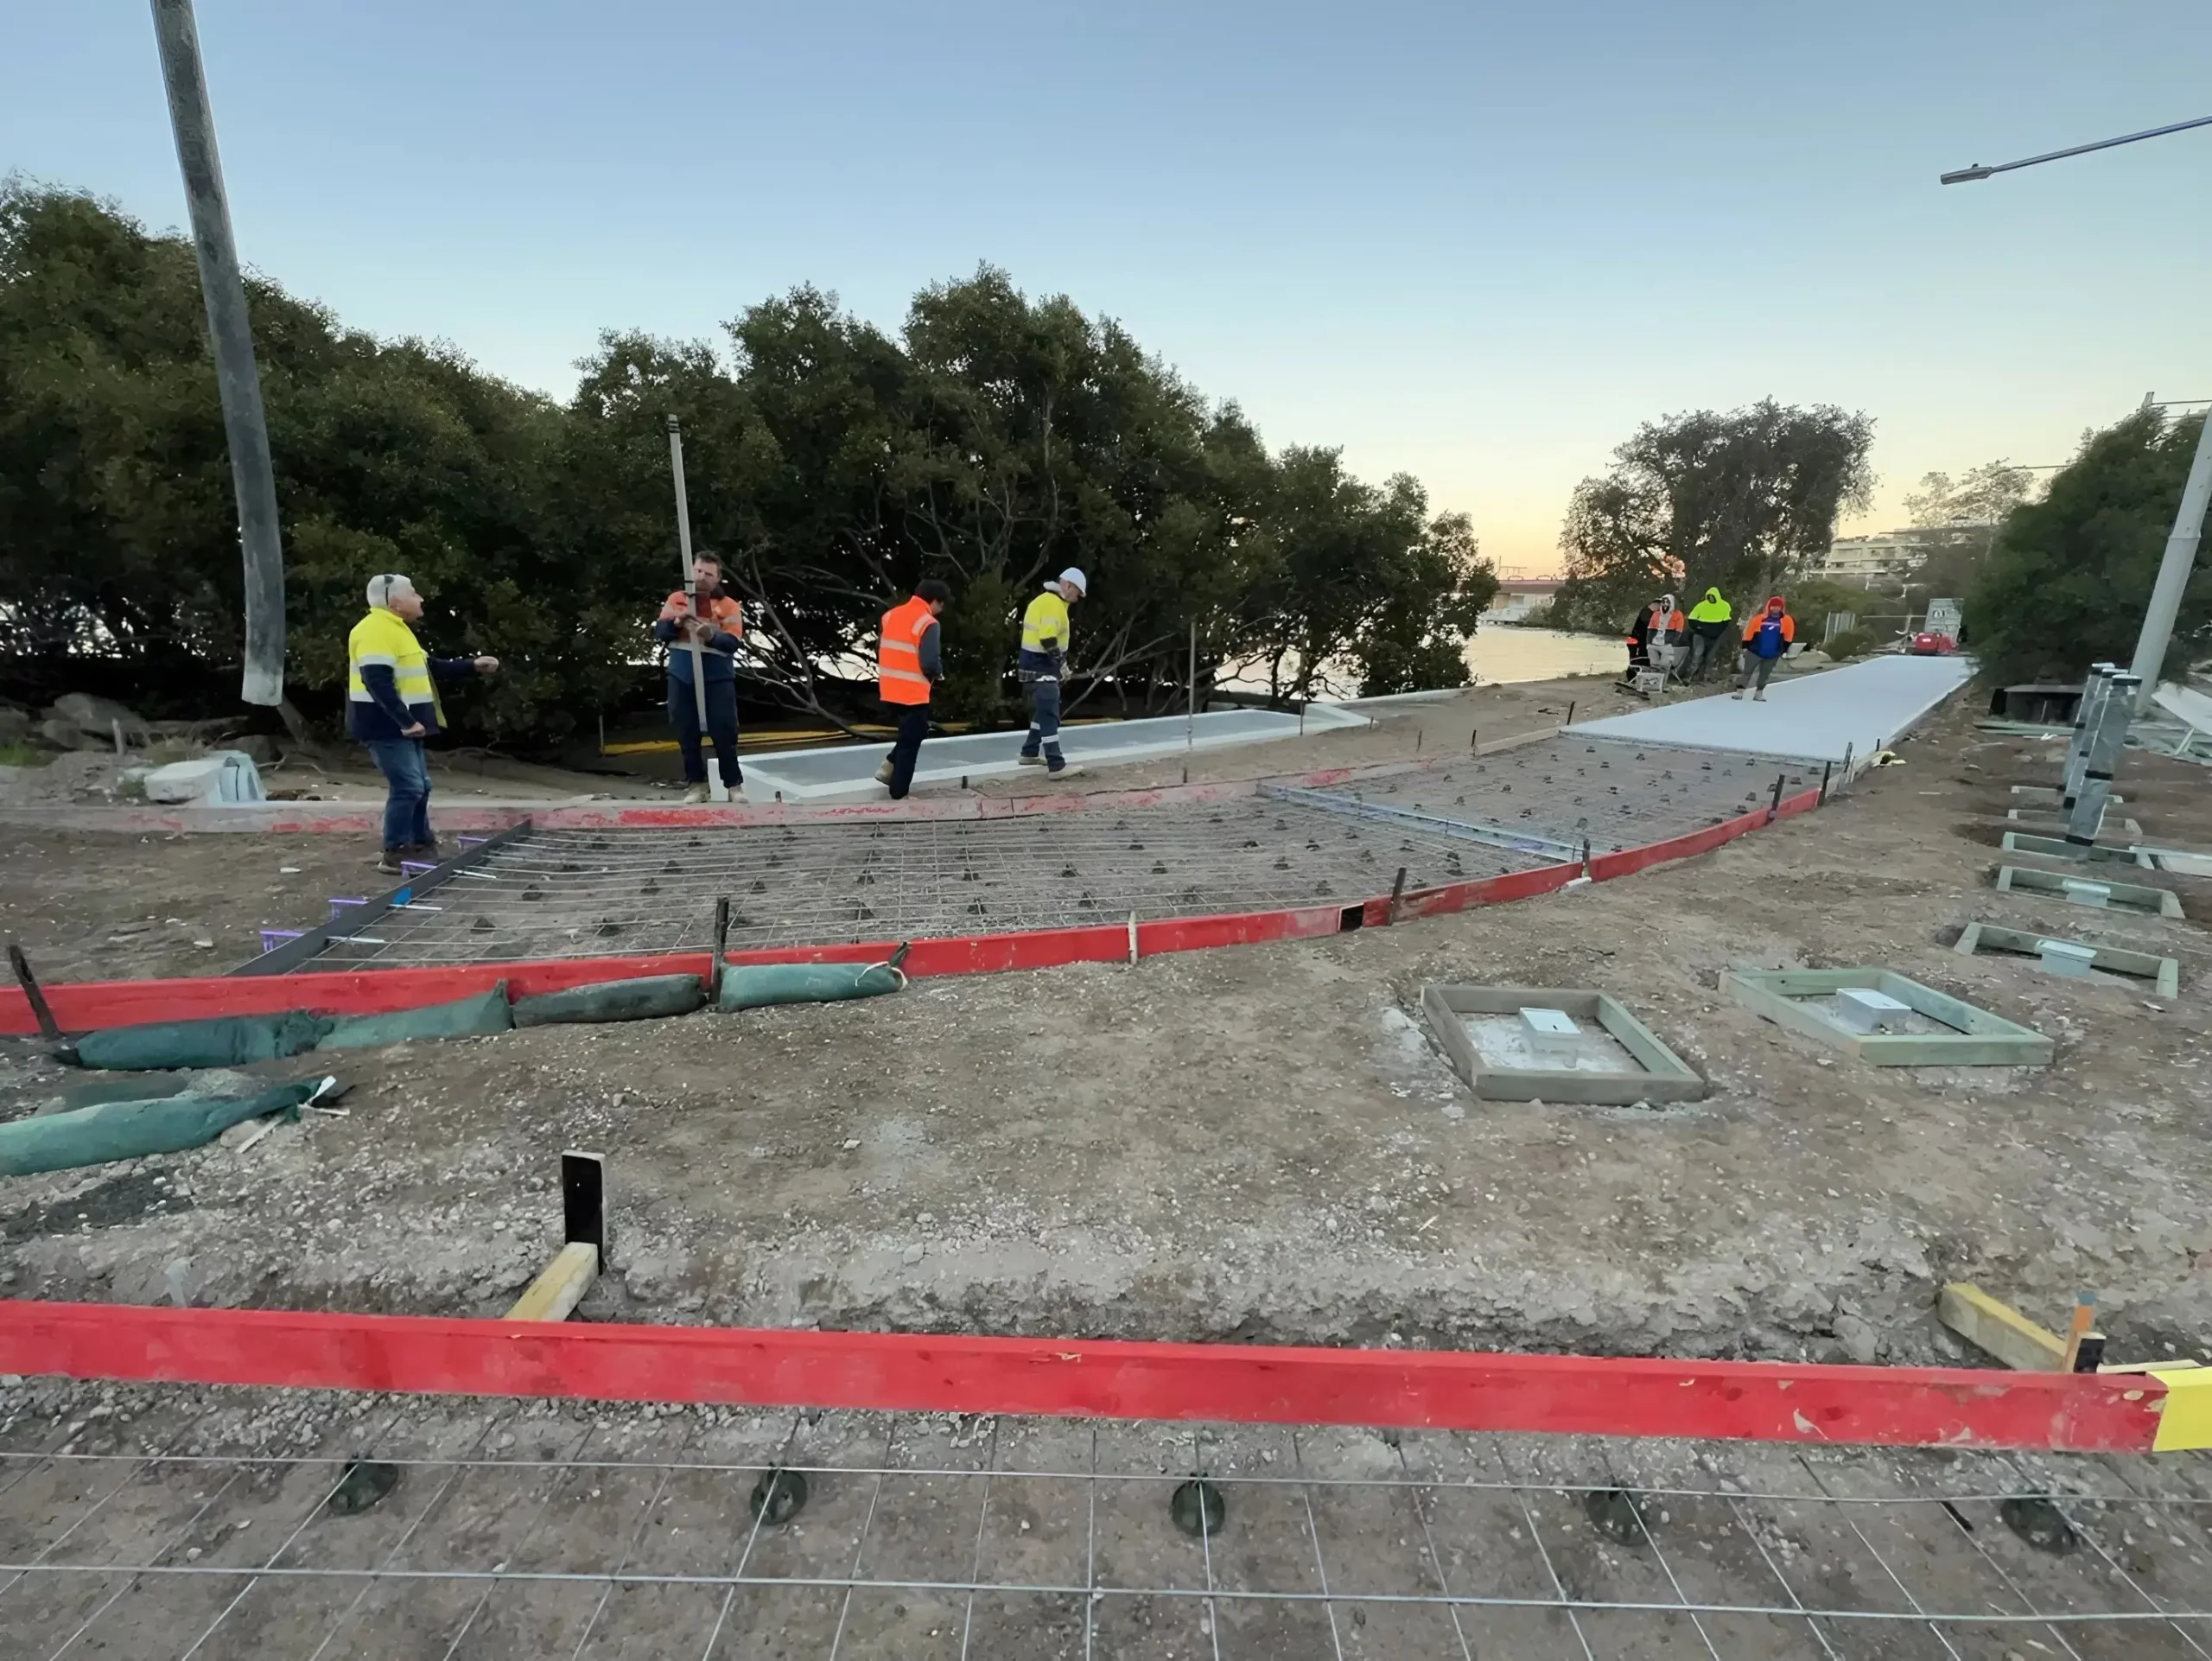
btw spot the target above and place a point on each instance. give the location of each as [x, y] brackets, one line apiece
[2180, 560]
[1979, 171]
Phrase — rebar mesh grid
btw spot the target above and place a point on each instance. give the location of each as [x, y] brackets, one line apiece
[928, 1536]
[1610, 794]
[617, 892]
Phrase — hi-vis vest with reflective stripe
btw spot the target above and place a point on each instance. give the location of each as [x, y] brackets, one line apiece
[899, 675]
[1046, 620]
[383, 636]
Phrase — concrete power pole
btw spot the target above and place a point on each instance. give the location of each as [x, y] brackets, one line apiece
[2174, 570]
[229, 332]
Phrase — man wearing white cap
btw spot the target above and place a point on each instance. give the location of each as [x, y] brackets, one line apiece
[391, 706]
[1043, 662]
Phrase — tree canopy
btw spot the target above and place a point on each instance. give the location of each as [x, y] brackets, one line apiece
[1731, 499]
[994, 440]
[1960, 519]
[2070, 576]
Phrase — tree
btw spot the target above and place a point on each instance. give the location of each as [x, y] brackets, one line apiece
[996, 439]
[1962, 521]
[2068, 579]
[1733, 501]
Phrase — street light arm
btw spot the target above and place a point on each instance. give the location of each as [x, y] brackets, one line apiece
[1969, 175]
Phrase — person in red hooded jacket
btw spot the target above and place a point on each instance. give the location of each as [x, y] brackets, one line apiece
[1766, 637]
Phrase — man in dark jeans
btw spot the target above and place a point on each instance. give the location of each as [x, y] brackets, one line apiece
[908, 665]
[711, 618]
[391, 706]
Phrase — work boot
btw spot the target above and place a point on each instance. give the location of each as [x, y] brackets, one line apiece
[1064, 771]
[1029, 761]
[1759, 696]
[1737, 693]
[425, 851]
[883, 772]
[388, 863]
[694, 796]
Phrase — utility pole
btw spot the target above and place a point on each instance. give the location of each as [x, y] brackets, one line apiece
[230, 334]
[2174, 570]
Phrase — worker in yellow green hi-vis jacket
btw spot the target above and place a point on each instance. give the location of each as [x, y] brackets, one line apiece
[1043, 666]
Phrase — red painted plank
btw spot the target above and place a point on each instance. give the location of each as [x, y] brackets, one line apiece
[1412, 1390]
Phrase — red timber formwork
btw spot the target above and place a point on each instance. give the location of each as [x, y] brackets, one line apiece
[83, 1005]
[1212, 1383]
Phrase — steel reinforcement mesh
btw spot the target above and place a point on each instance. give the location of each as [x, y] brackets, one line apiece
[445, 1528]
[1572, 789]
[567, 894]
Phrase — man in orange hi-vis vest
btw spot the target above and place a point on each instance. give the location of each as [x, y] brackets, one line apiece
[908, 664]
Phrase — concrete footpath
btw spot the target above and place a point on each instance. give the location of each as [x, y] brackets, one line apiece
[1860, 708]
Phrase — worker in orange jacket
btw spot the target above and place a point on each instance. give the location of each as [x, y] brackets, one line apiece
[1766, 637]
[909, 662]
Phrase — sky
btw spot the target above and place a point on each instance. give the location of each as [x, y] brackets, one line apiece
[1475, 243]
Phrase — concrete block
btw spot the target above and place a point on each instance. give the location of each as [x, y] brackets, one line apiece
[2079, 892]
[219, 779]
[2064, 957]
[1551, 1032]
[1864, 1010]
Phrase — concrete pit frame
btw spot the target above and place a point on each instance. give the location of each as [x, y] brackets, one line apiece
[1976, 1038]
[1660, 1075]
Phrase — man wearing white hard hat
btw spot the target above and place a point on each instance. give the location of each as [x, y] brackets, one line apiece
[391, 706]
[1043, 663]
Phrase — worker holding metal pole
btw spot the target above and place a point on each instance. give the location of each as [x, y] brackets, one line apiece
[1043, 663]
[1190, 694]
[238, 381]
[713, 781]
[2174, 570]
[702, 627]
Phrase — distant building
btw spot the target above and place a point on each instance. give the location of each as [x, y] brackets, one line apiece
[1860, 560]
[1517, 596]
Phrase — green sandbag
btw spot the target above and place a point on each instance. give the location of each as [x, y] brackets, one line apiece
[644, 999]
[137, 1087]
[112, 1130]
[805, 982]
[474, 1018]
[229, 1042]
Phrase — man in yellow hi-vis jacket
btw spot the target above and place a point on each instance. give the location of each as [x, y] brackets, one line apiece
[391, 706]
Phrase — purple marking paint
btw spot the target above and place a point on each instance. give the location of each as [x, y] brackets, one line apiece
[335, 902]
[273, 937]
[416, 865]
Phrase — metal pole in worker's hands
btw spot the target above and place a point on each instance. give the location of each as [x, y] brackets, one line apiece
[717, 787]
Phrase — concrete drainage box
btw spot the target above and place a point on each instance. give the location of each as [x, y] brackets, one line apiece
[2081, 888]
[2020, 841]
[2165, 972]
[1507, 1043]
[1932, 1030]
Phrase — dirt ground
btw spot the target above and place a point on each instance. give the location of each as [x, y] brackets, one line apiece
[1259, 1143]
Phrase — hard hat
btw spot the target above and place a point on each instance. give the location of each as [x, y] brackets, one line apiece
[1074, 575]
[384, 589]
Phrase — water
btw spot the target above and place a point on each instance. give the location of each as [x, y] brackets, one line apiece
[1501, 652]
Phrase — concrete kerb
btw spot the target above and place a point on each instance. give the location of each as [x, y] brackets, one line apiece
[2165, 973]
[1660, 1075]
[1979, 1039]
[2125, 896]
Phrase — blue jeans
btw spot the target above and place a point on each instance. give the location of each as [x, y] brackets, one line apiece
[1045, 723]
[407, 808]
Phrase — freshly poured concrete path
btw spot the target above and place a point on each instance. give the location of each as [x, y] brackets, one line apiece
[849, 771]
[1862, 707]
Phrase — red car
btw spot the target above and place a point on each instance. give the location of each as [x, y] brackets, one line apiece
[1925, 644]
